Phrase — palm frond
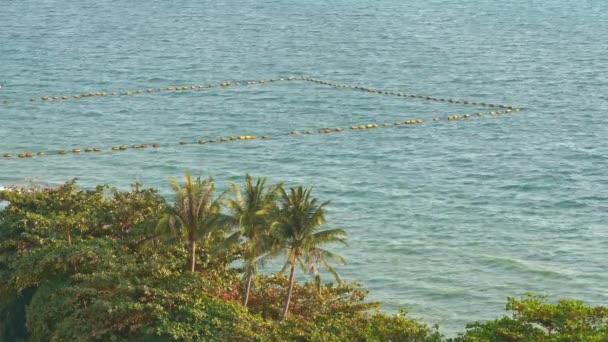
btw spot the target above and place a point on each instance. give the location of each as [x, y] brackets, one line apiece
[327, 236]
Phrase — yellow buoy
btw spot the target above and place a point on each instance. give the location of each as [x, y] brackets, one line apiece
[242, 137]
[155, 145]
[295, 132]
[436, 119]
[339, 129]
[8, 155]
[136, 146]
[233, 137]
[21, 155]
[115, 148]
[88, 150]
[123, 147]
[63, 152]
[362, 127]
[202, 142]
[354, 127]
[212, 140]
[265, 136]
[65, 97]
[223, 139]
[96, 149]
[40, 153]
[76, 150]
[145, 146]
[183, 142]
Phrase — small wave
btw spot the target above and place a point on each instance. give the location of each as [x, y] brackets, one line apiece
[523, 187]
[513, 264]
[446, 293]
[570, 204]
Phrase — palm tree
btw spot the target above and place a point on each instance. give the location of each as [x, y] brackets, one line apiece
[298, 230]
[251, 211]
[195, 214]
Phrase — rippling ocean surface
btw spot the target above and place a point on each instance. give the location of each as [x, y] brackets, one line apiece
[447, 219]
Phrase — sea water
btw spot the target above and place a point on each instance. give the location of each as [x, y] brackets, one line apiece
[447, 219]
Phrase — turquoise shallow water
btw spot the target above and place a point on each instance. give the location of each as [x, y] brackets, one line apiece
[448, 219]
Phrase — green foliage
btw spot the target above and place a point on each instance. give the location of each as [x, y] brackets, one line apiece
[109, 265]
[535, 319]
[309, 300]
[135, 296]
[33, 239]
[252, 211]
[297, 229]
[58, 233]
[196, 216]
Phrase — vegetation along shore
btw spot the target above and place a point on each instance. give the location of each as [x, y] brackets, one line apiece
[108, 265]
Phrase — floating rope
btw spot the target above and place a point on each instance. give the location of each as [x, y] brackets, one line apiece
[116, 148]
[224, 139]
[226, 84]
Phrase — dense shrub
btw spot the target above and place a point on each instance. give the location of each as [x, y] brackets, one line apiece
[535, 319]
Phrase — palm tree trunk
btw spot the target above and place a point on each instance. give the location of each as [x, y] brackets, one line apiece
[247, 288]
[289, 290]
[69, 238]
[192, 255]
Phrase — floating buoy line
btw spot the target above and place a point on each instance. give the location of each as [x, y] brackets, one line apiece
[227, 84]
[234, 138]
[504, 109]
